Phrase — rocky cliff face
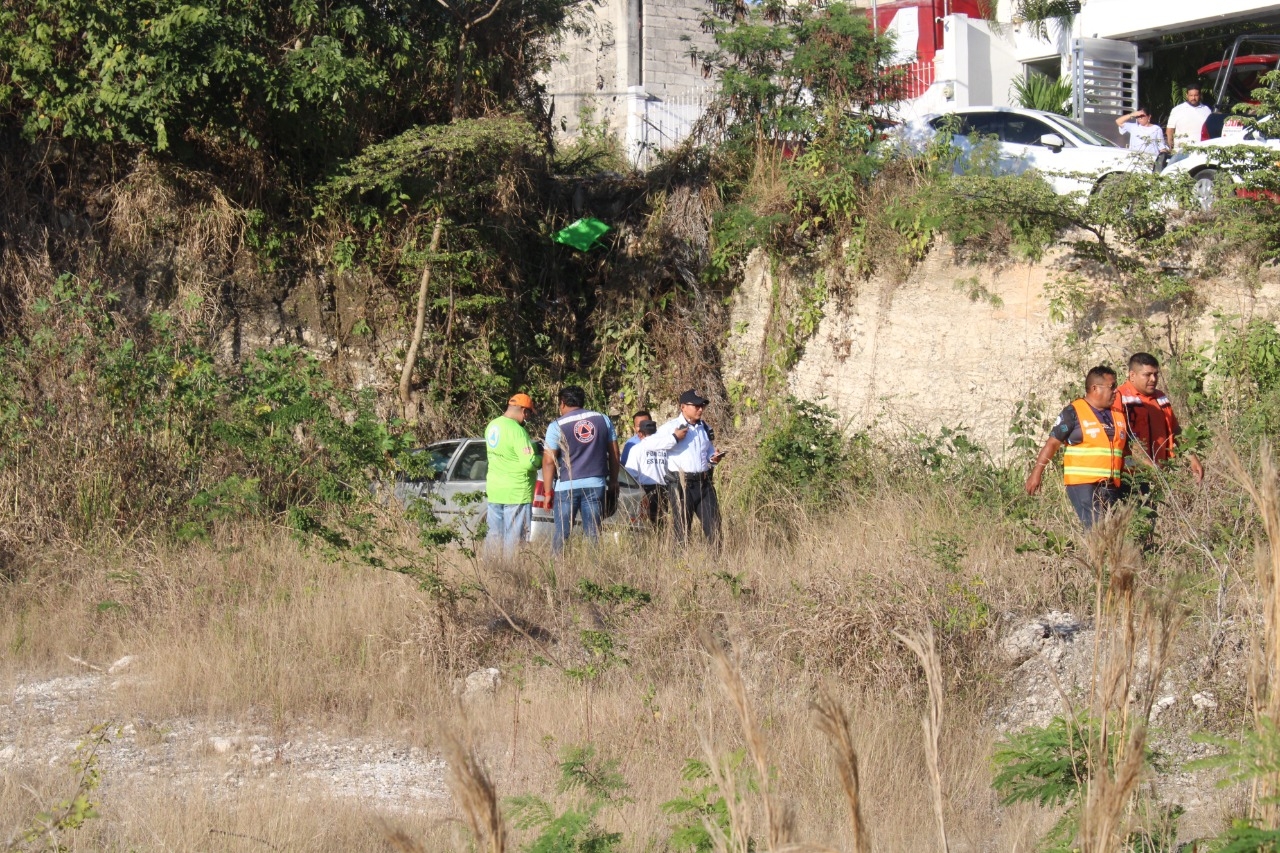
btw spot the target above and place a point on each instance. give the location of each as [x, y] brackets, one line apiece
[956, 345]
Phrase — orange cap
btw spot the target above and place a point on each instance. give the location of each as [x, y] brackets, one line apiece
[522, 400]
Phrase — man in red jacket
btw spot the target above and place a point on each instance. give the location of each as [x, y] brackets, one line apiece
[1153, 427]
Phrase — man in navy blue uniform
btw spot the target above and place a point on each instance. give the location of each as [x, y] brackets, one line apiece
[580, 455]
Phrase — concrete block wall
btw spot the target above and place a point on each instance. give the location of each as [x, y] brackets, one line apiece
[671, 29]
[583, 83]
[637, 79]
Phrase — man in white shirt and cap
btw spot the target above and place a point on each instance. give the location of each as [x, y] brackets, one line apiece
[649, 467]
[691, 457]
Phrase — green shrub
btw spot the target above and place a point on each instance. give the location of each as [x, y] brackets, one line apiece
[574, 830]
[803, 458]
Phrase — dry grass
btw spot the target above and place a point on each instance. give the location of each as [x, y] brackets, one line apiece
[157, 815]
[1264, 673]
[261, 632]
[1132, 651]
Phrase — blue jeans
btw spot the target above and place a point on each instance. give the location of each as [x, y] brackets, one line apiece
[508, 529]
[586, 504]
[1091, 501]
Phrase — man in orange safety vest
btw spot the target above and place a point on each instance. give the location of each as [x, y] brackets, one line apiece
[1153, 427]
[1096, 438]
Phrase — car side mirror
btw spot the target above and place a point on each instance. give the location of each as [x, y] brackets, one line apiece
[1054, 141]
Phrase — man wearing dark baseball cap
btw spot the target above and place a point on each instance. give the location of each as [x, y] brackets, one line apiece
[691, 457]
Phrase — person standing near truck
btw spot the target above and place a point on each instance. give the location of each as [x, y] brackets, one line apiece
[508, 481]
[1186, 120]
[636, 419]
[1145, 136]
[691, 459]
[649, 467]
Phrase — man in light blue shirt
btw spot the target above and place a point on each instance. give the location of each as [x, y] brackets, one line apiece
[691, 456]
[580, 455]
[636, 419]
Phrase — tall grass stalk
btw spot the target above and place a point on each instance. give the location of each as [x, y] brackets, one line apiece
[777, 818]
[475, 794]
[1264, 672]
[922, 646]
[834, 723]
[1132, 643]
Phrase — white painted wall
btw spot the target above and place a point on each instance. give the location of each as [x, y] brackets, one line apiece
[1132, 19]
[974, 69]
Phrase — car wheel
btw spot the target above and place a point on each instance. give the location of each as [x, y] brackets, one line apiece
[1205, 189]
[1113, 184]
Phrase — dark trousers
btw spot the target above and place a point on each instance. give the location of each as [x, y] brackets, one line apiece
[655, 505]
[1092, 500]
[694, 494]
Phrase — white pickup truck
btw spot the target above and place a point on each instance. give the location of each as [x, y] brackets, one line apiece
[1227, 146]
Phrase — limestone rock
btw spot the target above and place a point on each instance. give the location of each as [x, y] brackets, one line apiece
[481, 684]
[1160, 705]
[1035, 636]
[122, 664]
[1205, 701]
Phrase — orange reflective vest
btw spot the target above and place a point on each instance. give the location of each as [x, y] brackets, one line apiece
[1096, 457]
[1137, 410]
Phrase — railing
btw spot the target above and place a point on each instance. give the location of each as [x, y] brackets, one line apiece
[916, 78]
[663, 122]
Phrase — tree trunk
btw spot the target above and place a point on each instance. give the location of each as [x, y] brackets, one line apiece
[415, 341]
[424, 283]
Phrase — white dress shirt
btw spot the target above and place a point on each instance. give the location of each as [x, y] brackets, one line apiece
[647, 463]
[692, 454]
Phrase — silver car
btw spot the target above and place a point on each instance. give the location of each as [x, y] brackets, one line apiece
[456, 492]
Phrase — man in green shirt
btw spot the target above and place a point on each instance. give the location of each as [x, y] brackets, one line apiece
[508, 484]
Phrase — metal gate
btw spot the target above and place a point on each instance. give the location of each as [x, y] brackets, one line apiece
[1104, 83]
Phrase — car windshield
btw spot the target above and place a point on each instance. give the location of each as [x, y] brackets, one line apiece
[1087, 136]
[437, 458]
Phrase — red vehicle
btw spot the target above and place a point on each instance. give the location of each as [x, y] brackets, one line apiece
[1232, 80]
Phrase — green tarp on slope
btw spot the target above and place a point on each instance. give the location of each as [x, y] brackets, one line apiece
[581, 235]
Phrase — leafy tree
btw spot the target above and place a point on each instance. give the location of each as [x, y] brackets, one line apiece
[1039, 13]
[791, 71]
[308, 83]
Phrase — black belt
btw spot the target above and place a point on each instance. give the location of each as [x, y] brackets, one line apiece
[700, 476]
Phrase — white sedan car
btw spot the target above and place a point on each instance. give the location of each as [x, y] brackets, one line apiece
[1071, 157]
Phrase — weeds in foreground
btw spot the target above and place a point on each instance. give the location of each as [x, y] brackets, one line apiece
[475, 795]
[1254, 758]
[53, 829]
[1091, 761]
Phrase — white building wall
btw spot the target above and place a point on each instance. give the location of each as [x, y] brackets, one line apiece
[583, 84]
[1132, 19]
[974, 69]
